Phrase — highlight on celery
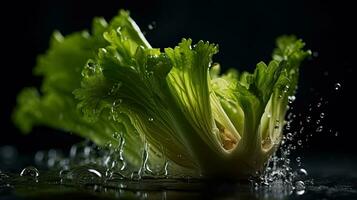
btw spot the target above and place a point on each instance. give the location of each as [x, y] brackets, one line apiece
[173, 103]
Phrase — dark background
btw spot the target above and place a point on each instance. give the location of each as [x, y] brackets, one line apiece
[245, 32]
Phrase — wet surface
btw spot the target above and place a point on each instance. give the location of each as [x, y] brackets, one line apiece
[329, 177]
[49, 186]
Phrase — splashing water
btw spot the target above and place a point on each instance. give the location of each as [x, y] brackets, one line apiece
[88, 163]
[103, 167]
[280, 173]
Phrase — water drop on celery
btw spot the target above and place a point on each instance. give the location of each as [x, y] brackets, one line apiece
[116, 135]
[277, 124]
[286, 89]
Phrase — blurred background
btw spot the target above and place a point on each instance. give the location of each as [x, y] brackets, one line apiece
[245, 32]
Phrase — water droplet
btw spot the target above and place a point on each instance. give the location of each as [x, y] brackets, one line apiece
[97, 188]
[337, 86]
[300, 192]
[53, 157]
[81, 151]
[86, 175]
[97, 173]
[103, 50]
[166, 168]
[300, 187]
[115, 88]
[286, 89]
[298, 159]
[318, 104]
[287, 127]
[64, 163]
[73, 151]
[150, 27]
[291, 99]
[30, 172]
[277, 124]
[116, 103]
[136, 175]
[299, 142]
[319, 129]
[109, 145]
[318, 121]
[116, 135]
[336, 134]
[289, 136]
[108, 174]
[301, 130]
[39, 157]
[302, 173]
[151, 119]
[287, 161]
[269, 115]
[256, 186]
[308, 119]
[121, 162]
[145, 167]
[290, 116]
[322, 115]
[64, 175]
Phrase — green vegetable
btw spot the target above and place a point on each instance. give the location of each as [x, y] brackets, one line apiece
[171, 104]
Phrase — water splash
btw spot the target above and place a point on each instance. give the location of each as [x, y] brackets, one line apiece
[299, 128]
[88, 163]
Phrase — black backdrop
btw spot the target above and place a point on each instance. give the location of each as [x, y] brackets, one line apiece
[245, 31]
